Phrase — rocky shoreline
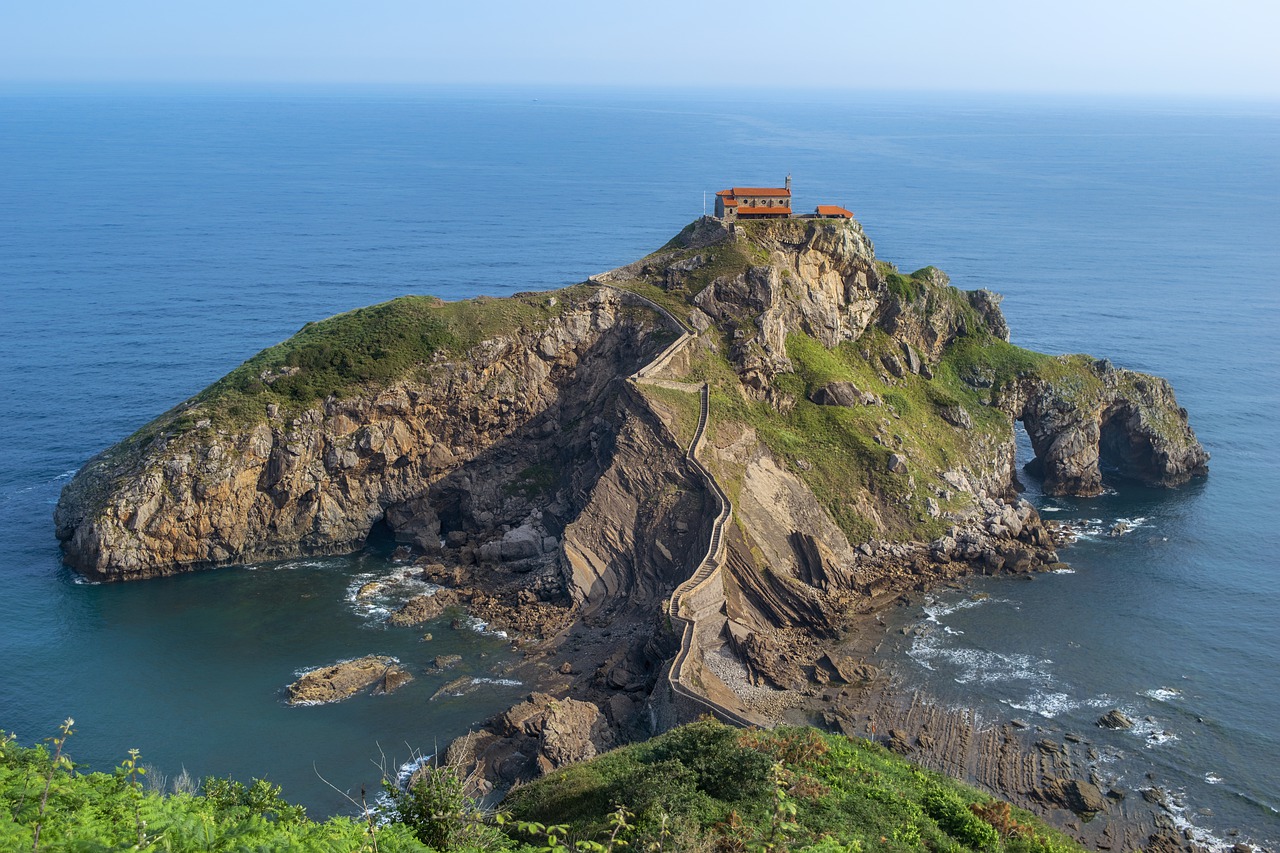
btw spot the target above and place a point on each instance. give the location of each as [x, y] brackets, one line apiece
[1047, 770]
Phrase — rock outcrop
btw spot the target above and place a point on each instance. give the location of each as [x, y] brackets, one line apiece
[347, 678]
[530, 740]
[193, 493]
[1092, 415]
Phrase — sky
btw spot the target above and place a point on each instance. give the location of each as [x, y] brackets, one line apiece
[1212, 48]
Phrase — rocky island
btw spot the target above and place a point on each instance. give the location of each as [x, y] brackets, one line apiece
[686, 484]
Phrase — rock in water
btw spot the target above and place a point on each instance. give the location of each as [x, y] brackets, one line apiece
[423, 608]
[392, 680]
[1115, 719]
[341, 680]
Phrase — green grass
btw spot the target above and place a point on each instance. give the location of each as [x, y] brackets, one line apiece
[792, 788]
[42, 792]
[539, 478]
[682, 407]
[721, 260]
[832, 448]
[375, 346]
[354, 353]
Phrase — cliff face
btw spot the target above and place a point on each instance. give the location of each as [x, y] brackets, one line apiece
[316, 481]
[1096, 415]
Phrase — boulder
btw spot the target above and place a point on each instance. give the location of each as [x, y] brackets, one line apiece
[847, 669]
[423, 608]
[1115, 719]
[393, 679]
[532, 738]
[1078, 795]
[518, 543]
[894, 365]
[957, 416]
[769, 663]
[837, 394]
[444, 663]
[912, 358]
[339, 681]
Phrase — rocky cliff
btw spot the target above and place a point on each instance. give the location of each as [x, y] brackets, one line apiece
[232, 477]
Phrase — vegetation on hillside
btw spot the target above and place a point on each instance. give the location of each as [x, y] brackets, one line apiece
[354, 352]
[844, 453]
[707, 786]
[704, 787]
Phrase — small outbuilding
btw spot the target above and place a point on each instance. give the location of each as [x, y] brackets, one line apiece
[833, 211]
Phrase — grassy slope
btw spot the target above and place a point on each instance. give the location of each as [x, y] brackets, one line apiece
[833, 448]
[796, 788]
[680, 407]
[358, 351]
[114, 811]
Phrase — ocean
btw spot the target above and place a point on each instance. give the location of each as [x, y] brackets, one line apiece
[151, 241]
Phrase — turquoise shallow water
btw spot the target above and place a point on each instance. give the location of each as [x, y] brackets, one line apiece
[149, 243]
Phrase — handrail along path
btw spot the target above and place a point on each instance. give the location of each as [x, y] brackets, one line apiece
[713, 559]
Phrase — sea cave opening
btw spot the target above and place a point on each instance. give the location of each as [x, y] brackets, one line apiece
[381, 539]
[1123, 452]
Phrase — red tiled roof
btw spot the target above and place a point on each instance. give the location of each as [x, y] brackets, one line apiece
[730, 202]
[779, 211]
[762, 191]
[834, 210]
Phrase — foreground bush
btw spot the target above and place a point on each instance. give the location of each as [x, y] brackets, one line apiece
[45, 805]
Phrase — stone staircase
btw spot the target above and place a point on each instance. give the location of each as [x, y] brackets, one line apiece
[697, 595]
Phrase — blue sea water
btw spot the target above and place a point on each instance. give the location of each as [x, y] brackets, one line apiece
[149, 242]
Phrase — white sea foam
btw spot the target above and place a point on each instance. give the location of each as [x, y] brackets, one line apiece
[1051, 703]
[1162, 694]
[291, 565]
[383, 807]
[499, 682]
[392, 589]
[1176, 807]
[935, 609]
[1213, 778]
[977, 665]
[1063, 571]
[482, 627]
[1152, 733]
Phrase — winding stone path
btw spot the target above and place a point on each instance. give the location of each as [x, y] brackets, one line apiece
[707, 572]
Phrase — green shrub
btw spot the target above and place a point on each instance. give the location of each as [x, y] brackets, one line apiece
[955, 818]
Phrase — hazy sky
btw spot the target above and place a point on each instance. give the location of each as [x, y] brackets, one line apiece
[1214, 47]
